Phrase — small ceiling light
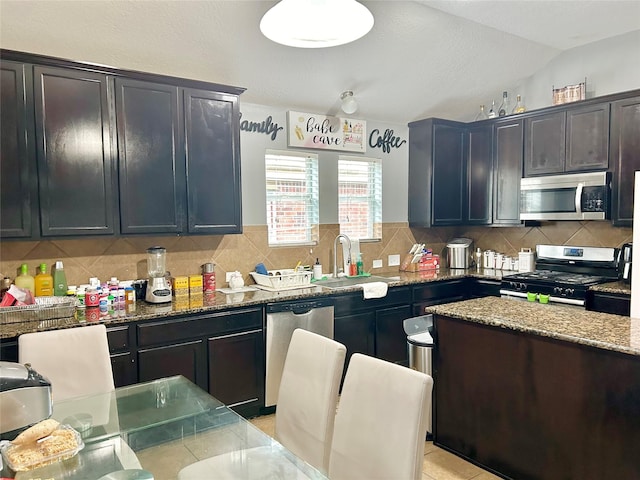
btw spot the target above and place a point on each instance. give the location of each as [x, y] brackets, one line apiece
[349, 104]
[316, 23]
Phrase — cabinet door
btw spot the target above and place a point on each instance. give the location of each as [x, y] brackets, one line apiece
[420, 173]
[625, 158]
[236, 369]
[507, 166]
[587, 138]
[124, 369]
[75, 167]
[479, 175]
[391, 339]
[449, 179]
[187, 359]
[212, 134]
[150, 158]
[544, 144]
[17, 159]
[357, 333]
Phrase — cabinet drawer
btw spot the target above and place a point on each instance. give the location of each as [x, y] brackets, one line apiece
[118, 338]
[440, 290]
[197, 326]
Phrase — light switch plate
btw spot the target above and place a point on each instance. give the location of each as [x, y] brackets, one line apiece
[394, 260]
[377, 264]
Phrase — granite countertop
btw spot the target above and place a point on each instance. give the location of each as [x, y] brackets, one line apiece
[601, 330]
[142, 310]
[621, 288]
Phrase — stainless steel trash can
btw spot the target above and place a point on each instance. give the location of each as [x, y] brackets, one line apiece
[420, 346]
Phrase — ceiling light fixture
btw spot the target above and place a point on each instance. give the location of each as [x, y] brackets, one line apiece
[349, 104]
[316, 23]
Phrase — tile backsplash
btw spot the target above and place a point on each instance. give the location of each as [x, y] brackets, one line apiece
[125, 257]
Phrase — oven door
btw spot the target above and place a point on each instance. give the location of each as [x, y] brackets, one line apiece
[565, 197]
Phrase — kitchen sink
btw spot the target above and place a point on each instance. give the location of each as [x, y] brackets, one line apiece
[346, 282]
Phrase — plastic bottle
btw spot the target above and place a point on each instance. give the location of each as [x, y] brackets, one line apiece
[44, 282]
[208, 278]
[59, 280]
[360, 265]
[24, 280]
[317, 270]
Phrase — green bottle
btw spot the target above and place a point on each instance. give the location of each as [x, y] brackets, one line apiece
[24, 280]
[59, 280]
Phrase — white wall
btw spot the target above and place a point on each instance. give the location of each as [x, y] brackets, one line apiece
[611, 66]
[252, 149]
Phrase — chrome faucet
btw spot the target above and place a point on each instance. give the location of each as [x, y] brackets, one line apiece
[340, 237]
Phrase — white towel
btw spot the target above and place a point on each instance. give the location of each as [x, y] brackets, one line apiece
[374, 289]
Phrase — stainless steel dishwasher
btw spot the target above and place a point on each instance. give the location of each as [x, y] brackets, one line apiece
[315, 315]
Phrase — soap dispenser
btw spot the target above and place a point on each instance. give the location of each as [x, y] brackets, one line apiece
[317, 270]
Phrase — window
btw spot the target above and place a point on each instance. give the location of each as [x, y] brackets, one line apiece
[292, 198]
[360, 197]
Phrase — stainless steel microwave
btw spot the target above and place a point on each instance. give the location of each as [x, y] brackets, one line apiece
[582, 196]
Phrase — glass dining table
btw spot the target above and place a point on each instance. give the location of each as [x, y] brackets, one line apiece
[157, 428]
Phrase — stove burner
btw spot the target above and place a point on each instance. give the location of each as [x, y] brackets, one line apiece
[549, 277]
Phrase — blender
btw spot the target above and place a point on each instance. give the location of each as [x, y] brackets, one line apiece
[158, 287]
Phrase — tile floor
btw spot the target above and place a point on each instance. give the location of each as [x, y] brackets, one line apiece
[438, 464]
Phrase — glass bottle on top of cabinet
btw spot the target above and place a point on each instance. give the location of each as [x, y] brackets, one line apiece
[519, 107]
[482, 115]
[493, 113]
[504, 106]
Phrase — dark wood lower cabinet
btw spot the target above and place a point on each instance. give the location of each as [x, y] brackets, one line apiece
[605, 302]
[187, 359]
[236, 370]
[530, 407]
[391, 340]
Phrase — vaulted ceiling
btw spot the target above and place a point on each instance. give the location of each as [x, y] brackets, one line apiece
[422, 57]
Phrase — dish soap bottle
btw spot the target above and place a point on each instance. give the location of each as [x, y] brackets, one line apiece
[24, 280]
[59, 280]
[360, 265]
[317, 270]
[44, 282]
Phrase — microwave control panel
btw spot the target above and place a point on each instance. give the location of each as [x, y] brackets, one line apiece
[594, 199]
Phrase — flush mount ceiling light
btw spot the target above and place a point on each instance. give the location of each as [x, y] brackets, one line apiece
[316, 23]
[349, 104]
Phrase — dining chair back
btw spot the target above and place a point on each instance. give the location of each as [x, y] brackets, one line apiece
[75, 360]
[381, 423]
[308, 396]
[305, 413]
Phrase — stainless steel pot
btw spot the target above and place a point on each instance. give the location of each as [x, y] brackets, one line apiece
[459, 252]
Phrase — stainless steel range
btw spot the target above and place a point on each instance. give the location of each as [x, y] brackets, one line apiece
[563, 274]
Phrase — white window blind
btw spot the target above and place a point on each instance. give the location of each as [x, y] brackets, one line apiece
[360, 197]
[292, 198]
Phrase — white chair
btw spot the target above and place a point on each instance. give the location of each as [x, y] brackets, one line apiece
[77, 363]
[75, 360]
[381, 424]
[305, 415]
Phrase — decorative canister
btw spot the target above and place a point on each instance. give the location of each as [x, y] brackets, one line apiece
[526, 260]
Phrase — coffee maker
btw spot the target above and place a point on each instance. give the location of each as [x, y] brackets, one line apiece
[158, 287]
[624, 262]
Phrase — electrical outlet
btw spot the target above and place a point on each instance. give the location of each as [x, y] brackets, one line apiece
[377, 264]
[394, 260]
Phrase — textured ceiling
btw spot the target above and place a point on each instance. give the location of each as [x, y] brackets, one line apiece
[422, 58]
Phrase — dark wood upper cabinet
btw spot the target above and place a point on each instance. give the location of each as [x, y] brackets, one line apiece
[574, 139]
[479, 174]
[507, 171]
[150, 157]
[212, 142]
[587, 138]
[18, 180]
[544, 144]
[625, 158]
[75, 161]
[437, 173]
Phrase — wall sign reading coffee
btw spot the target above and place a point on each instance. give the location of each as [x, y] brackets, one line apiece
[385, 141]
[309, 130]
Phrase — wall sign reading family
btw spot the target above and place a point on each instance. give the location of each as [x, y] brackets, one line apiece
[310, 130]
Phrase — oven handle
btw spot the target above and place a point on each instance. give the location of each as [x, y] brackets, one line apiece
[567, 301]
[578, 200]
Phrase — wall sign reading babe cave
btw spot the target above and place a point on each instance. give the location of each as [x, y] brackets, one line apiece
[309, 130]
